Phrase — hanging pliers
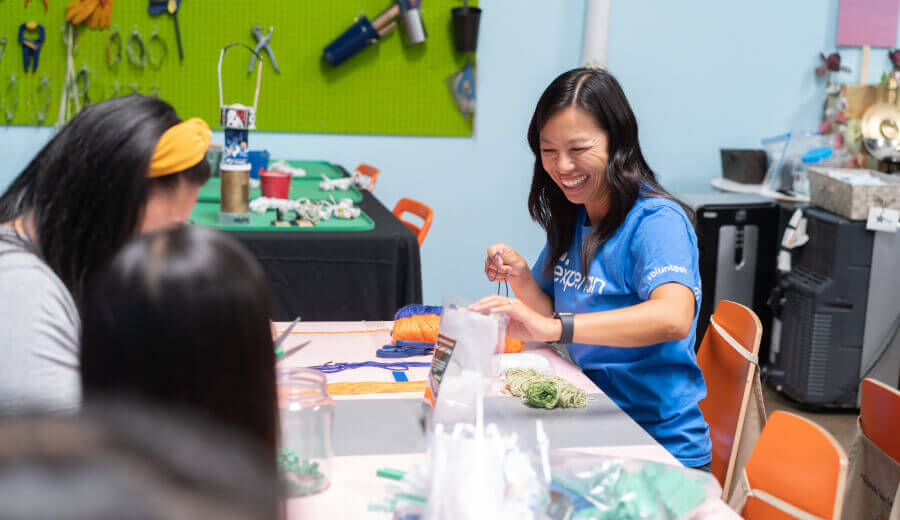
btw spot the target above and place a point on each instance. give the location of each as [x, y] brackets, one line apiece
[262, 42]
[46, 7]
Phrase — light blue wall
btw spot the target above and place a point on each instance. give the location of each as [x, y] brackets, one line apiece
[700, 76]
[706, 75]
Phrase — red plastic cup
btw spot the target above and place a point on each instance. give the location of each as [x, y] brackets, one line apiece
[275, 185]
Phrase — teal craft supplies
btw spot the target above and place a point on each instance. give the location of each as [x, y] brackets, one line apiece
[617, 489]
[393, 474]
[300, 477]
[307, 413]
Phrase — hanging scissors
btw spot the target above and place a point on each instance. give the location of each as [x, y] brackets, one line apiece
[262, 42]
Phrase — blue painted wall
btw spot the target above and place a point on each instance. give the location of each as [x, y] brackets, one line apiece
[700, 76]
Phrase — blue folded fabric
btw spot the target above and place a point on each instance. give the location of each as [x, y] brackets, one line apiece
[417, 310]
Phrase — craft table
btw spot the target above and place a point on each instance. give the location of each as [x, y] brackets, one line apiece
[374, 431]
[340, 274]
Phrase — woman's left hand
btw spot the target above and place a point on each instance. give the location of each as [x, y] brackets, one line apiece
[524, 323]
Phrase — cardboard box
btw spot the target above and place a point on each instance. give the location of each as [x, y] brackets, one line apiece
[852, 200]
[860, 98]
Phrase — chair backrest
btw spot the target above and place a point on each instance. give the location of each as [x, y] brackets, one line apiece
[369, 171]
[415, 207]
[796, 467]
[727, 358]
[879, 416]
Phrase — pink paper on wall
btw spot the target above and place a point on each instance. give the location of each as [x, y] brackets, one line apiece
[868, 22]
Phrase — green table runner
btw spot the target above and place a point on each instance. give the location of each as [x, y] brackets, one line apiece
[207, 214]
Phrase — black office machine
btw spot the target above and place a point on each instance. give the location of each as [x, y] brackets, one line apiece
[737, 236]
[841, 313]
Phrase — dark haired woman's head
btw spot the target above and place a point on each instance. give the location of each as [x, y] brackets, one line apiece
[584, 136]
[181, 319]
[124, 460]
[87, 191]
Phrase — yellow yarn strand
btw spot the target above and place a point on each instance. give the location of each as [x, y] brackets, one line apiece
[374, 387]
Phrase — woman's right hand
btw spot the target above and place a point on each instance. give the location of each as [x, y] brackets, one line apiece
[504, 264]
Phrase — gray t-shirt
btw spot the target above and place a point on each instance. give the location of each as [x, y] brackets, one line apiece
[39, 335]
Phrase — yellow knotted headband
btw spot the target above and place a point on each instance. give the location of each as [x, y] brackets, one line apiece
[180, 147]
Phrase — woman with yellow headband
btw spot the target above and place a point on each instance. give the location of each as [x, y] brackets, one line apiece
[120, 168]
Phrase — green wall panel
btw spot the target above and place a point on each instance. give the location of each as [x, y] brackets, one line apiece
[388, 88]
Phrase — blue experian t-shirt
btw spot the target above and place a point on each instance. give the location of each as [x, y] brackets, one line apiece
[659, 386]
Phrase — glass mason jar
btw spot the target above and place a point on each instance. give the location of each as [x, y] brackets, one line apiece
[307, 413]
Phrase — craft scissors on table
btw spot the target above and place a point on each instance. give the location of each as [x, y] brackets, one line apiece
[262, 42]
[284, 335]
[405, 349]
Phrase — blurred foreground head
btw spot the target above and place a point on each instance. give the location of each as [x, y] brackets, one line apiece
[125, 462]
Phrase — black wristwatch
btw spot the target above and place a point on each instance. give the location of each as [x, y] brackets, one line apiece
[568, 326]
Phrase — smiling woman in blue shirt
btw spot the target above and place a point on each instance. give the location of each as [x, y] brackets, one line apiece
[618, 279]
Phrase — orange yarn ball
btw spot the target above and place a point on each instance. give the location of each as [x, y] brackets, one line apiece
[425, 328]
[417, 328]
[513, 345]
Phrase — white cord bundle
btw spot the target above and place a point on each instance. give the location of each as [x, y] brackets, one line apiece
[312, 211]
[262, 204]
[284, 166]
[346, 210]
[344, 183]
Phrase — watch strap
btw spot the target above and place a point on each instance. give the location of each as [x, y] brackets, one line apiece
[567, 319]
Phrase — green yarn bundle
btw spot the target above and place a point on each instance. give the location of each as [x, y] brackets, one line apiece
[544, 390]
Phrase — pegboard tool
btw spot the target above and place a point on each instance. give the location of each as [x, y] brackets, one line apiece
[262, 42]
[31, 47]
[361, 34]
[169, 6]
[46, 7]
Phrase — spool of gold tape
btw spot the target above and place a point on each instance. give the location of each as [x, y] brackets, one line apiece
[235, 190]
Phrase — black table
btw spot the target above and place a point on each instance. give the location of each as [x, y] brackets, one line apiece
[340, 275]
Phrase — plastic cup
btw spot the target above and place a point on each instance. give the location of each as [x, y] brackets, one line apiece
[465, 28]
[275, 185]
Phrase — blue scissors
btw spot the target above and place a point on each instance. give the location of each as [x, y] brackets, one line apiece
[405, 349]
[413, 344]
[392, 351]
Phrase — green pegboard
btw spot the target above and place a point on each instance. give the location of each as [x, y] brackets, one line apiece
[207, 214]
[388, 88]
[301, 187]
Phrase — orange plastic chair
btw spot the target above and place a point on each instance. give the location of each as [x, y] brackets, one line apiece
[727, 358]
[415, 207]
[879, 416]
[797, 470]
[369, 171]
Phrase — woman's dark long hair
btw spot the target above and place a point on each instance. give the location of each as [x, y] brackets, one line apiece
[628, 176]
[123, 459]
[88, 188]
[181, 319]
